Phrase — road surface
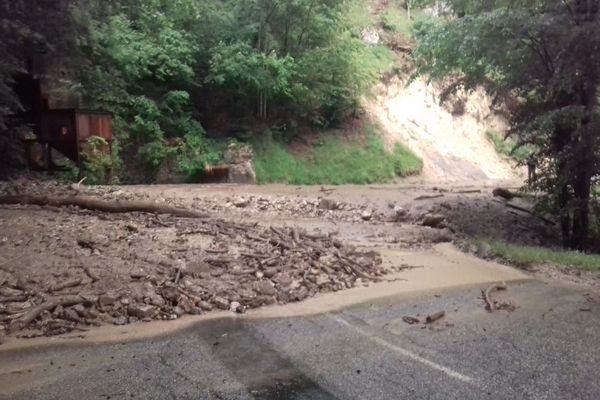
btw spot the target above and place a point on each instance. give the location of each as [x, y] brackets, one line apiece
[546, 349]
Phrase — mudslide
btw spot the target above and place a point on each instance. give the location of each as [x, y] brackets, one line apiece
[451, 140]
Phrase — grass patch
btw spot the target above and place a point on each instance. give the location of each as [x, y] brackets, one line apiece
[509, 146]
[396, 20]
[334, 162]
[526, 256]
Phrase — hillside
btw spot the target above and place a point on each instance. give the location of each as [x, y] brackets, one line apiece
[449, 138]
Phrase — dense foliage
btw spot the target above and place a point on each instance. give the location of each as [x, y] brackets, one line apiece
[171, 69]
[542, 57]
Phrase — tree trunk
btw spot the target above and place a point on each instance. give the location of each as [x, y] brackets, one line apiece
[581, 214]
[565, 216]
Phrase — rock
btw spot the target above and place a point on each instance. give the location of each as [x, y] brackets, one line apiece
[328, 204]
[241, 166]
[322, 279]
[204, 305]
[170, 293]
[137, 273]
[141, 311]
[241, 202]
[299, 295]
[197, 267]
[71, 315]
[108, 299]
[221, 303]
[186, 305]
[237, 307]
[178, 311]
[122, 320]
[399, 215]
[433, 220]
[265, 288]
[155, 300]
[81, 310]
[484, 250]
[366, 215]
[271, 272]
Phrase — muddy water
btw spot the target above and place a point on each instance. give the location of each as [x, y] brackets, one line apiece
[442, 267]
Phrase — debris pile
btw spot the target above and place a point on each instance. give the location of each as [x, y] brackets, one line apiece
[236, 267]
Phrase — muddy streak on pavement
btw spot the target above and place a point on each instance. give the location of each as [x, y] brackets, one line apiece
[442, 267]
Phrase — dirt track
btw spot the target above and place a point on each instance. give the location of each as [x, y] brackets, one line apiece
[265, 245]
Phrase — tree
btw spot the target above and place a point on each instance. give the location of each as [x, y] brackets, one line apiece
[544, 55]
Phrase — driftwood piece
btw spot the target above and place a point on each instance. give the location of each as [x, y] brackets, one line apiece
[63, 285]
[505, 193]
[14, 299]
[435, 316]
[427, 197]
[95, 204]
[468, 191]
[49, 305]
[489, 303]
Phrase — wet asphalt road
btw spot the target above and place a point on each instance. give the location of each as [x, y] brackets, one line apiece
[547, 349]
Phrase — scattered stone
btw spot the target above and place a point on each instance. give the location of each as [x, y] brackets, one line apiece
[221, 303]
[400, 214]
[204, 305]
[433, 220]
[328, 204]
[237, 307]
[137, 273]
[366, 215]
[141, 311]
[241, 202]
[121, 320]
[178, 311]
[108, 299]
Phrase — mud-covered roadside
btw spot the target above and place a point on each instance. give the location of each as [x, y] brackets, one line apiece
[65, 269]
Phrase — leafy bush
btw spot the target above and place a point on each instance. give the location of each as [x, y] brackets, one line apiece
[99, 165]
[510, 147]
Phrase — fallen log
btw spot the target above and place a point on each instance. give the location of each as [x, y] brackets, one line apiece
[94, 204]
[489, 303]
[434, 317]
[49, 305]
[505, 193]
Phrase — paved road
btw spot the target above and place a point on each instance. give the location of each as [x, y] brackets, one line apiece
[546, 349]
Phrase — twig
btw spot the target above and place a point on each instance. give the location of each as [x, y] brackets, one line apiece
[489, 304]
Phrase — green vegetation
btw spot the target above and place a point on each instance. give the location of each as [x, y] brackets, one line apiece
[510, 147]
[168, 69]
[99, 165]
[526, 256]
[334, 161]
